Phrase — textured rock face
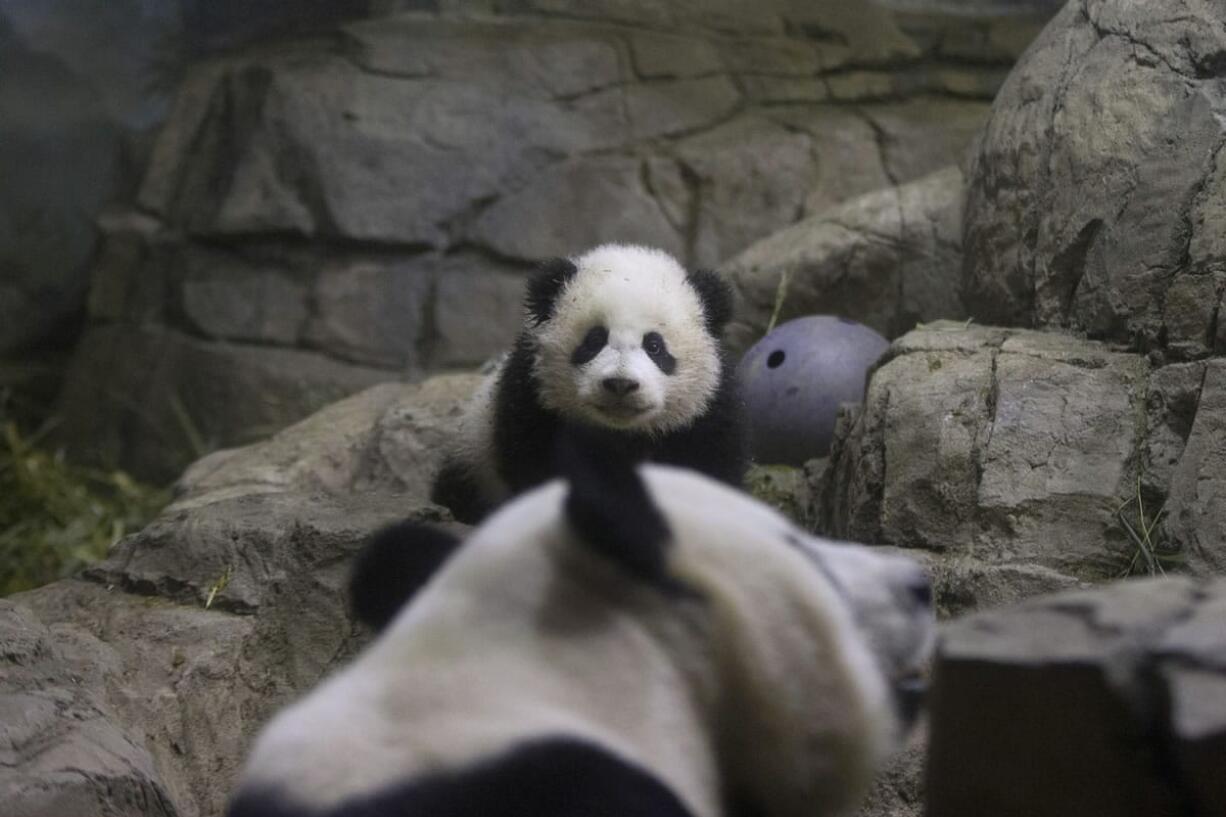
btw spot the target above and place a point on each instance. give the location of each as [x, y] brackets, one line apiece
[61, 158]
[886, 259]
[89, 763]
[136, 691]
[1025, 458]
[1110, 702]
[1098, 189]
[375, 195]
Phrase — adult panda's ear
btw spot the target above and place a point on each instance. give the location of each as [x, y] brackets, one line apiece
[716, 296]
[396, 563]
[545, 286]
[610, 509]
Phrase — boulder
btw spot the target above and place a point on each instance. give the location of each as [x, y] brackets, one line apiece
[1097, 191]
[1030, 460]
[1115, 698]
[886, 259]
[136, 689]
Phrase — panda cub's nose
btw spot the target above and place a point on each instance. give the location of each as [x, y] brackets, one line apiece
[620, 386]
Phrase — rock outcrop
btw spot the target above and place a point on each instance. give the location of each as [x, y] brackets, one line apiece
[1098, 189]
[1034, 459]
[1110, 702]
[371, 197]
[136, 689]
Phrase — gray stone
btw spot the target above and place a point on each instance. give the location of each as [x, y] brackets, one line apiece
[886, 259]
[657, 54]
[919, 136]
[555, 61]
[1089, 687]
[850, 160]
[61, 749]
[477, 314]
[366, 140]
[137, 691]
[745, 179]
[371, 312]
[866, 33]
[61, 158]
[226, 297]
[385, 439]
[1190, 312]
[783, 487]
[1174, 395]
[1057, 462]
[152, 399]
[669, 108]
[1119, 93]
[554, 214]
[898, 790]
[1006, 446]
[1195, 522]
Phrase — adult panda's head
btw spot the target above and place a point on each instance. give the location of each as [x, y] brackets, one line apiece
[626, 338]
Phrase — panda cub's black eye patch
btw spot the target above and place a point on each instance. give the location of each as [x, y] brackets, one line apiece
[657, 350]
[590, 346]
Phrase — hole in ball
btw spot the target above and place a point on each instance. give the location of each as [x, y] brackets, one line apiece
[775, 359]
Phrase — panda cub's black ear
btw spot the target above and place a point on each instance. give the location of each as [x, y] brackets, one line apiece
[716, 296]
[396, 563]
[545, 286]
[610, 509]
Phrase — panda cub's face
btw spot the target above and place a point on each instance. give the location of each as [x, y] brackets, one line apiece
[626, 342]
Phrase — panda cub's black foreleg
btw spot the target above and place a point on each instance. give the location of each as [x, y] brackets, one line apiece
[455, 489]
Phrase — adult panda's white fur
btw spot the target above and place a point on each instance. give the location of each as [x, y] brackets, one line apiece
[712, 655]
[623, 340]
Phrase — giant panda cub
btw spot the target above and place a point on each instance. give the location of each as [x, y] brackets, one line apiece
[621, 340]
[630, 643]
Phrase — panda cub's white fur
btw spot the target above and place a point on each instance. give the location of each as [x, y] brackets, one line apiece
[621, 339]
[754, 670]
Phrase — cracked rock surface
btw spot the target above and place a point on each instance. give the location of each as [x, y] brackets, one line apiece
[369, 199]
[1026, 461]
[887, 259]
[1104, 702]
[136, 689]
[1098, 189]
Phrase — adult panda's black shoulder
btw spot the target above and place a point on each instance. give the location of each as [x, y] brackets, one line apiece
[640, 642]
[621, 341]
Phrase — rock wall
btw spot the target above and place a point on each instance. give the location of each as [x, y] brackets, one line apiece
[371, 197]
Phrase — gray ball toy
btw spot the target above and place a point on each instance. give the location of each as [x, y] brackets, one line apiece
[794, 380]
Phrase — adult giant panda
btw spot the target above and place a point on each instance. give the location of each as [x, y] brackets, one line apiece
[644, 643]
[621, 340]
